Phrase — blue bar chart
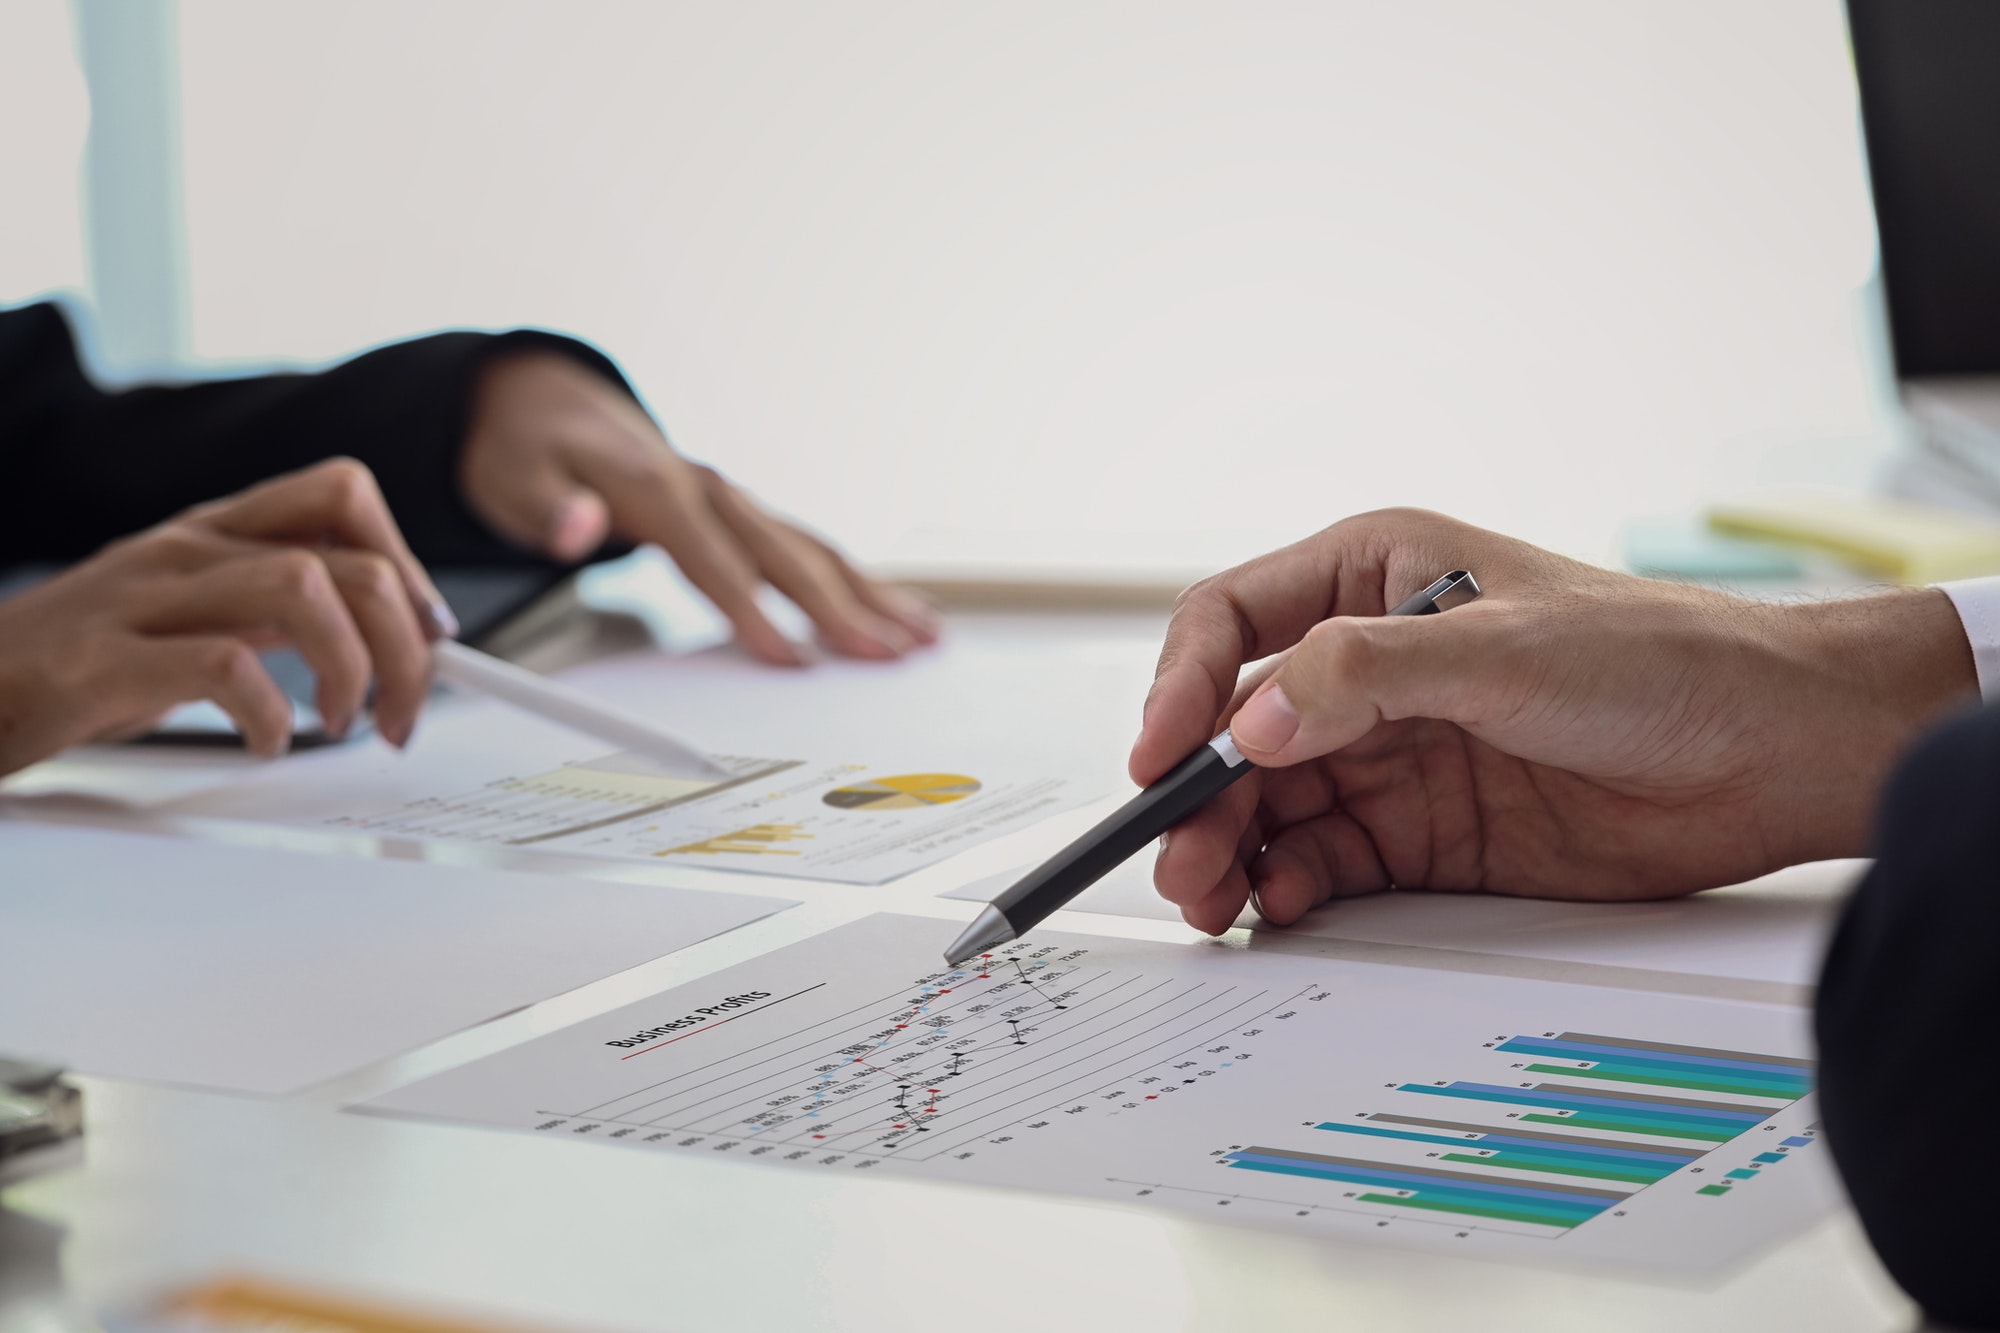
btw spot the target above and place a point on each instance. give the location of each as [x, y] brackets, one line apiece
[1606, 1118]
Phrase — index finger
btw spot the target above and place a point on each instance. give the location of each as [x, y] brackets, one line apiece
[1224, 622]
[1358, 567]
[337, 503]
[661, 498]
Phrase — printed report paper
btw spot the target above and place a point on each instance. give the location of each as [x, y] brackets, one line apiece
[483, 772]
[845, 822]
[1499, 1117]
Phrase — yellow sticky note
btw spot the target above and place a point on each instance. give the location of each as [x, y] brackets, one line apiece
[1893, 539]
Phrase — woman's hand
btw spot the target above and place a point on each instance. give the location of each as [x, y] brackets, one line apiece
[558, 459]
[178, 613]
[1574, 733]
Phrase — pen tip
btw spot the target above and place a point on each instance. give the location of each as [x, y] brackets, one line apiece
[990, 928]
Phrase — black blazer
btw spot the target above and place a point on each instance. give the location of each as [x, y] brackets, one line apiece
[1909, 1027]
[80, 466]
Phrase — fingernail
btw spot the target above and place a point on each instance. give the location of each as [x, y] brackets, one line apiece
[578, 527]
[893, 637]
[443, 623]
[1267, 722]
[1163, 848]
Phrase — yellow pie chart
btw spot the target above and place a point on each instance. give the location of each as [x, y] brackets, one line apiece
[910, 791]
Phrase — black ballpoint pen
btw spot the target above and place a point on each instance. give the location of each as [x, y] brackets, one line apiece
[1191, 784]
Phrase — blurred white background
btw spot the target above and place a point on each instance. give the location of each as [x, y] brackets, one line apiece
[1115, 284]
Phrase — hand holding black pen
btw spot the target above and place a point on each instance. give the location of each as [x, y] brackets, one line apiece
[1190, 785]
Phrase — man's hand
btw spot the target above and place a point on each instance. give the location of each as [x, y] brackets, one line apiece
[311, 560]
[1575, 733]
[558, 459]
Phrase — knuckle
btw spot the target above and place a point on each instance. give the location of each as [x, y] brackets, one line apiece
[1402, 515]
[207, 511]
[1339, 649]
[228, 662]
[635, 470]
[1197, 592]
[788, 551]
[720, 491]
[375, 578]
[142, 550]
[1395, 518]
[1380, 534]
[1368, 537]
[1210, 597]
[295, 573]
[172, 542]
[630, 452]
[343, 471]
[350, 485]
[155, 546]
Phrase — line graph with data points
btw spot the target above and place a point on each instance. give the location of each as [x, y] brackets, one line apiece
[921, 1072]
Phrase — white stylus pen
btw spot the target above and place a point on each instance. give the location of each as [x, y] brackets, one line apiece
[559, 703]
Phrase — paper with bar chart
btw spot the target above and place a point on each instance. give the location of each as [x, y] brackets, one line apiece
[842, 822]
[1442, 1110]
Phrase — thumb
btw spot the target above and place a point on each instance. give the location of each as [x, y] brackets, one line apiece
[1350, 673]
[578, 523]
[544, 509]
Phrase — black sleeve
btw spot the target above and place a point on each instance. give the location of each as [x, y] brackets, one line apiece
[1907, 1010]
[79, 466]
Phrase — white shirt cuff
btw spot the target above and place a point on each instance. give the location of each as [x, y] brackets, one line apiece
[1978, 603]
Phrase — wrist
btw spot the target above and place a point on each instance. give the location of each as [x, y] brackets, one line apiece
[1867, 676]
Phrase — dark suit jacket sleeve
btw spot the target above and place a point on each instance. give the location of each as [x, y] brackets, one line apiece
[1908, 1007]
[80, 466]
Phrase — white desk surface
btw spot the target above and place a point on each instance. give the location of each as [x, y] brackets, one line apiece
[180, 1185]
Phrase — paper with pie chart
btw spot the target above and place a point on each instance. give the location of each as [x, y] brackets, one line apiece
[845, 822]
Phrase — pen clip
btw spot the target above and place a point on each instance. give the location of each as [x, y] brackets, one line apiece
[1453, 590]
